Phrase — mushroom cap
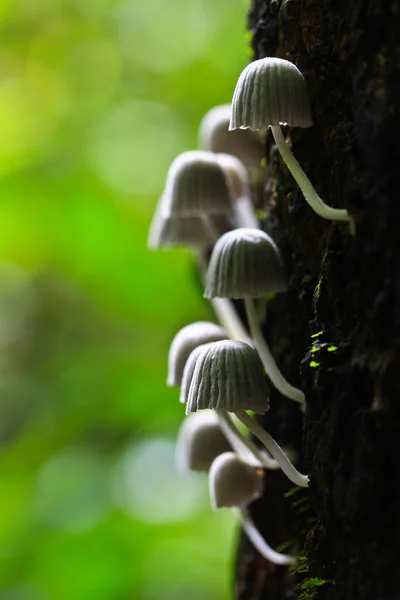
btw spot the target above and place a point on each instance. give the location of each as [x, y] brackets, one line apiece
[200, 441]
[166, 232]
[195, 184]
[233, 482]
[185, 341]
[228, 376]
[214, 136]
[245, 263]
[270, 91]
[187, 231]
[188, 372]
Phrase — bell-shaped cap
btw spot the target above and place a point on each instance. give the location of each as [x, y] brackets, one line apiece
[200, 441]
[233, 482]
[188, 372]
[228, 376]
[214, 135]
[270, 91]
[185, 341]
[167, 232]
[245, 263]
[196, 184]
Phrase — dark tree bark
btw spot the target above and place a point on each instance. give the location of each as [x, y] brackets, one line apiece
[337, 330]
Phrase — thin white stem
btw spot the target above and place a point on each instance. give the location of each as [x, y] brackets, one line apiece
[261, 545]
[242, 446]
[230, 320]
[274, 449]
[316, 203]
[266, 357]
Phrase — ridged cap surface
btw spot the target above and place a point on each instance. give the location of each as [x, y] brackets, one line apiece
[166, 232]
[228, 376]
[270, 91]
[245, 263]
[233, 482]
[188, 372]
[214, 135]
[185, 341]
[195, 184]
[200, 441]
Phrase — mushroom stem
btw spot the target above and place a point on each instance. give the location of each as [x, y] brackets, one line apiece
[260, 544]
[316, 203]
[244, 447]
[275, 450]
[266, 357]
[230, 320]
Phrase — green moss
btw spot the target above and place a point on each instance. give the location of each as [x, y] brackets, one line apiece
[315, 335]
[308, 587]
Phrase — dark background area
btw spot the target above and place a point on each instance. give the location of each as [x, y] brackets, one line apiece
[340, 318]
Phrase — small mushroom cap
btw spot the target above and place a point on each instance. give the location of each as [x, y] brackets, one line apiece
[195, 184]
[167, 232]
[200, 441]
[233, 482]
[185, 341]
[228, 376]
[214, 135]
[245, 263]
[270, 91]
[188, 372]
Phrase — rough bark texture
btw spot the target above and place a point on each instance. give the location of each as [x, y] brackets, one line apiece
[337, 330]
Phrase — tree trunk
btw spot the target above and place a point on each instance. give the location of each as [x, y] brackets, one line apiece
[337, 329]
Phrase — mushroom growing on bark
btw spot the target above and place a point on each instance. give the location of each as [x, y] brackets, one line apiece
[242, 445]
[229, 377]
[245, 263]
[185, 341]
[271, 92]
[235, 483]
[200, 441]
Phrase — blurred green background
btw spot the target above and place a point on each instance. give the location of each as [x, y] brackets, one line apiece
[96, 99]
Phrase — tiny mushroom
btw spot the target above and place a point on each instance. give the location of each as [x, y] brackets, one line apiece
[185, 341]
[245, 263]
[166, 232]
[246, 145]
[228, 376]
[200, 441]
[186, 230]
[271, 92]
[196, 186]
[240, 443]
[235, 483]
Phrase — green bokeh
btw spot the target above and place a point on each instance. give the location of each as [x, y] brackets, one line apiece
[96, 99]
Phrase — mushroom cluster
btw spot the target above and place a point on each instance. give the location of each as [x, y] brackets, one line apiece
[208, 204]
